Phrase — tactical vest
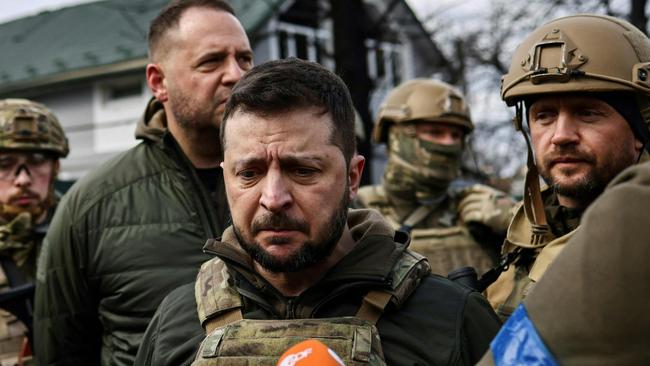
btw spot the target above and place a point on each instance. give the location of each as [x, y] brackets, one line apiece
[233, 340]
[513, 285]
[447, 246]
[12, 337]
[18, 248]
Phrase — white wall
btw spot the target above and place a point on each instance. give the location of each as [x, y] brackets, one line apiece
[97, 126]
[115, 117]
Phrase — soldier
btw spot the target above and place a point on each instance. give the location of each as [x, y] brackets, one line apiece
[131, 231]
[587, 110]
[594, 313]
[296, 264]
[31, 143]
[425, 124]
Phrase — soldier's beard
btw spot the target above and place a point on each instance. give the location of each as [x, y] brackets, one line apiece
[586, 188]
[36, 210]
[311, 252]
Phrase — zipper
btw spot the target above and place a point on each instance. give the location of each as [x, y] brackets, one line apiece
[202, 200]
[346, 288]
[292, 303]
[257, 300]
[291, 309]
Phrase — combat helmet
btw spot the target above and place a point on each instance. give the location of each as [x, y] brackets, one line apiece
[583, 53]
[418, 169]
[27, 125]
[422, 100]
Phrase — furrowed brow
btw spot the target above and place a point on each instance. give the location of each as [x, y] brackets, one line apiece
[298, 160]
[248, 162]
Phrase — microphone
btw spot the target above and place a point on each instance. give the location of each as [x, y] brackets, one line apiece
[310, 353]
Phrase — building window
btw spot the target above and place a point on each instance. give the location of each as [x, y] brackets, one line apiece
[384, 62]
[122, 91]
[300, 41]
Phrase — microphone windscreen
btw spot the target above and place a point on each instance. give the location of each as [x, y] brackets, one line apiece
[310, 353]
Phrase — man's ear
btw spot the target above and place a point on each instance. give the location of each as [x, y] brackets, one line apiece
[157, 82]
[354, 174]
[638, 145]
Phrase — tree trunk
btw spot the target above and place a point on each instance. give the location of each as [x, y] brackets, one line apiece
[638, 16]
[350, 54]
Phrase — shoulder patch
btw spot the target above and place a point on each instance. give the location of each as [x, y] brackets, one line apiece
[214, 291]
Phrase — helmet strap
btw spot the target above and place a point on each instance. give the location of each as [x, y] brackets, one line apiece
[51, 200]
[533, 204]
[644, 108]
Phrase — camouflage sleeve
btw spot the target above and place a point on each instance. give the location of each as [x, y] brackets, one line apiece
[357, 202]
[365, 197]
[480, 325]
[66, 325]
[487, 206]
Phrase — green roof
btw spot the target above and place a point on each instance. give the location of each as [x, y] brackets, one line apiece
[40, 48]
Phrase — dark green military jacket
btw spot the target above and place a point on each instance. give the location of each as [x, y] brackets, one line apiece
[441, 323]
[122, 238]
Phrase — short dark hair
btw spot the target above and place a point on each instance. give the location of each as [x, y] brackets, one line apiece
[285, 85]
[170, 15]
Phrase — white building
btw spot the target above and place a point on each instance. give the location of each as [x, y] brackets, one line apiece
[87, 62]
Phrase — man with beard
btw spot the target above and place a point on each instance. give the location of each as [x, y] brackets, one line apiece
[296, 263]
[31, 143]
[132, 230]
[594, 313]
[587, 115]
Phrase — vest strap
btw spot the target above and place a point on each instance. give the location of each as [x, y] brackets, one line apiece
[415, 218]
[373, 305]
[223, 319]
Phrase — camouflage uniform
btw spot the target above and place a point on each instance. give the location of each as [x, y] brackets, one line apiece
[446, 225]
[564, 56]
[30, 127]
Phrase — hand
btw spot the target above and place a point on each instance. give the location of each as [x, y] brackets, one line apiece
[486, 205]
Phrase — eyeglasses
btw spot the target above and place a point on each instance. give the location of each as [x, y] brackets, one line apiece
[35, 165]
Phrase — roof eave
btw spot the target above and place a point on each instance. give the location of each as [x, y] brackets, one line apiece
[73, 75]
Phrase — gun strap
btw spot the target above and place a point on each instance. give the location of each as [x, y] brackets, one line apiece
[14, 275]
[493, 274]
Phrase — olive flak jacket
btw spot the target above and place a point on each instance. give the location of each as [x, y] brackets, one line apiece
[441, 323]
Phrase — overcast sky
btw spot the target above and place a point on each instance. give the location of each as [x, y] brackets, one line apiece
[12, 9]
